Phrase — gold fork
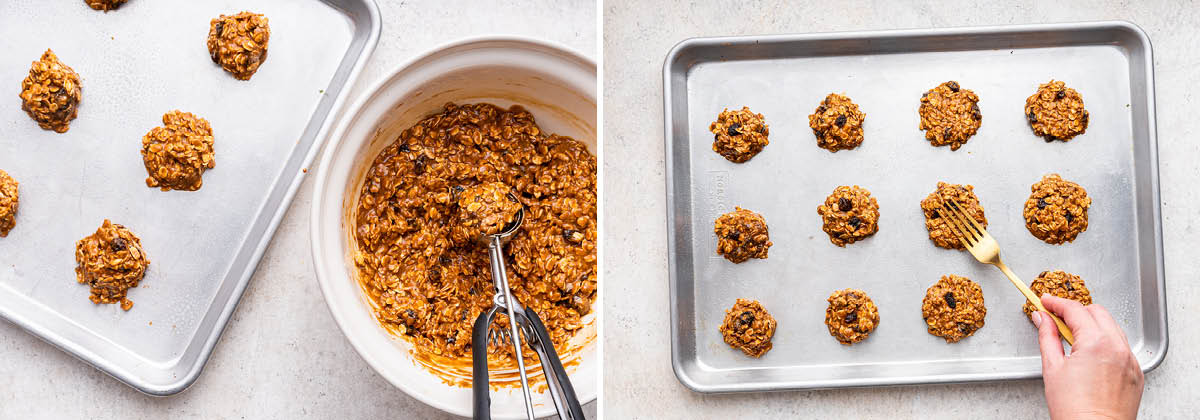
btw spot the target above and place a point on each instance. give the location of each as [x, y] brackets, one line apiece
[985, 249]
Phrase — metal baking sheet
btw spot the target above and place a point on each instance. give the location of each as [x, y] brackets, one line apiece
[785, 77]
[137, 63]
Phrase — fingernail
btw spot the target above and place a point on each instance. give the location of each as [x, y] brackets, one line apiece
[1037, 319]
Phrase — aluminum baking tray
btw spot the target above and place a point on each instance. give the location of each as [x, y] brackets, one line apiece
[137, 63]
[785, 77]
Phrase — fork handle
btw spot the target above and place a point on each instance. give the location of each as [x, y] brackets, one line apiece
[1037, 302]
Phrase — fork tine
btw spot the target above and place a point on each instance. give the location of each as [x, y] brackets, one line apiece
[975, 223]
[960, 226]
[958, 233]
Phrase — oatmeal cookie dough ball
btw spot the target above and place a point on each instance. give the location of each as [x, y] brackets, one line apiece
[51, 93]
[748, 327]
[105, 5]
[8, 203]
[1055, 112]
[851, 316]
[739, 135]
[110, 261]
[742, 235]
[940, 230]
[484, 209]
[177, 153]
[837, 123]
[239, 43]
[953, 308]
[1057, 210]
[849, 215]
[1058, 283]
[950, 115]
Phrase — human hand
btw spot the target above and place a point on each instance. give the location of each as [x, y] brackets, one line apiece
[1100, 379]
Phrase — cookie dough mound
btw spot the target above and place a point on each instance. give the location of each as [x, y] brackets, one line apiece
[1057, 210]
[739, 135]
[851, 316]
[177, 154]
[1058, 283]
[849, 215]
[837, 123]
[748, 327]
[239, 43]
[105, 5]
[950, 115]
[8, 203]
[51, 93]
[485, 209]
[1055, 112]
[742, 235]
[110, 261]
[953, 308]
[940, 230]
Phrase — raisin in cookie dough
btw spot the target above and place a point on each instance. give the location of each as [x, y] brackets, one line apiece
[940, 230]
[239, 43]
[742, 235]
[851, 316]
[484, 209]
[177, 153]
[849, 215]
[739, 135]
[105, 5]
[1055, 112]
[1058, 283]
[1057, 210]
[953, 308]
[8, 203]
[748, 327]
[837, 123]
[51, 93]
[950, 115]
[110, 261]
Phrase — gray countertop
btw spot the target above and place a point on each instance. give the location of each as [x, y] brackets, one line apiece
[282, 356]
[639, 382]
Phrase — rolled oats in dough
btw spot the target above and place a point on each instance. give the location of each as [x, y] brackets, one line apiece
[1055, 112]
[851, 316]
[105, 5]
[742, 235]
[950, 115]
[748, 327]
[1058, 283]
[239, 43]
[177, 153]
[739, 135]
[1057, 210]
[51, 93]
[484, 209]
[849, 215]
[110, 261]
[8, 203]
[953, 308]
[837, 123]
[940, 230]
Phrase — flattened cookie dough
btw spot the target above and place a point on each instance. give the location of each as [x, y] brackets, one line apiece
[177, 153]
[950, 115]
[742, 235]
[939, 228]
[851, 316]
[8, 203]
[748, 327]
[739, 135]
[849, 215]
[1055, 112]
[837, 123]
[484, 209]
[1058, 283]
[110, 261]
[953, 308]
[1057, 210]
[239, 43]
[105, 5]
[51, 93]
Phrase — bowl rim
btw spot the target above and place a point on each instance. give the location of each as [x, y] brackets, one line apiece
[336, 140]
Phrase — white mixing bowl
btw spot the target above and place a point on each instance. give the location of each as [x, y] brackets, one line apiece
[558, 86]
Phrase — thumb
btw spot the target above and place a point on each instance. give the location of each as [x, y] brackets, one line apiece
[1048, 341]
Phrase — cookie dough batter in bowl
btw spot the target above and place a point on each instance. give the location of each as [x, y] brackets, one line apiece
[558, 89]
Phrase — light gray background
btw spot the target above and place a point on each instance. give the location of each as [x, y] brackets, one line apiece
[282, 356]
[639, 382]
